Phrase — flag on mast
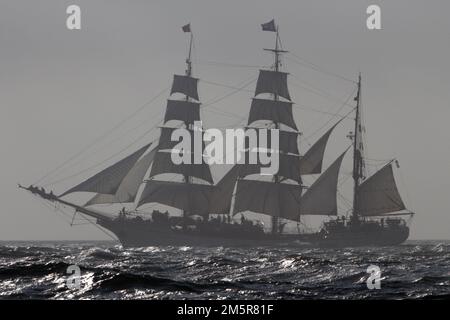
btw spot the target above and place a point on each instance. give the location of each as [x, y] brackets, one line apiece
[269, 26]
[187, 28]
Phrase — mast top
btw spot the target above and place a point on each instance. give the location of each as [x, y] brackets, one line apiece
[187, 29]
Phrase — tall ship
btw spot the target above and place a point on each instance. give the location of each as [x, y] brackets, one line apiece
[218, 213]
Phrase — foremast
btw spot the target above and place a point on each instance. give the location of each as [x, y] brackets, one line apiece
[277, 64]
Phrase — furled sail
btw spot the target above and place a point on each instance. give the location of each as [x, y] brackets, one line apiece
[274, 199]
[129, 186]
[379, 195]
[108, 180]
[185, 85]
[223, 192]
[311, 162]
[185, 111]
[320, 198]
[273, 110]
[163, 164]
[288, 167]
[274, 82]
[193, 198]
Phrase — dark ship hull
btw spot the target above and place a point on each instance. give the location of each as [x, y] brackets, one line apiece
[144, 234]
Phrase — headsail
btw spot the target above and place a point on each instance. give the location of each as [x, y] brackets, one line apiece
[320, 198]
[108, 180]
[378, 194]
[129, 186]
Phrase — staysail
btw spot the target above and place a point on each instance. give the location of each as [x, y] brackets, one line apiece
[378, 194]
[108, 180]
[320, 198]
[223, 192]
[311, 161]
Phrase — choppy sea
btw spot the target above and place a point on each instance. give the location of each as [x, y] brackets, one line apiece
[39, 270]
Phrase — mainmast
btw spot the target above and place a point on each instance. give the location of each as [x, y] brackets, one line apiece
[357, 151]
[277, 63]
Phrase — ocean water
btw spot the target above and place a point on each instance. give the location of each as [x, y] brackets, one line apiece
[38, 270]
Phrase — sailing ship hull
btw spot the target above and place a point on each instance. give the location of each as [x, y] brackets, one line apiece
[359, 237]
[133, 234]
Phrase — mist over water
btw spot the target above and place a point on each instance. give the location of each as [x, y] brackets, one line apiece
[418, 269]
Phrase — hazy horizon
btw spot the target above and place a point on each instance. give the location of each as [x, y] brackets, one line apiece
[61, 90]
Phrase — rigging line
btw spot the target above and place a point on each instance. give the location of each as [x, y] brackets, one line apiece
[102, 136]
[301, 106]
[225, 64]
[210, 102]
[155, 126]
[107, 159]
[223, 113]
[331, 119]
[115, 140]
[224, 85]
[315, 67]
[319, 93]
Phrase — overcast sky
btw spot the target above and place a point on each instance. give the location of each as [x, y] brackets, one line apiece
[61, 90]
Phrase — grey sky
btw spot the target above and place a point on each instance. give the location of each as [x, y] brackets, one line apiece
[62, 89]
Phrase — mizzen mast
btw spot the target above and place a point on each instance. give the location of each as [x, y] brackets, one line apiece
[358, 148]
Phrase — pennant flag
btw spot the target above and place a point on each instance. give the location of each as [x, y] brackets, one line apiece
[269, 26]
[187, 28]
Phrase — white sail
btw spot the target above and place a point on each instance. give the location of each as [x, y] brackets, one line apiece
[108, 180]
[276, 111]
[274, 199]
[320, 198]
[129, 187]
[193, 198]
[311, 162]
[274, 82]
[185, 85]
[379, 195]
[163, 164]
[185, 111]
